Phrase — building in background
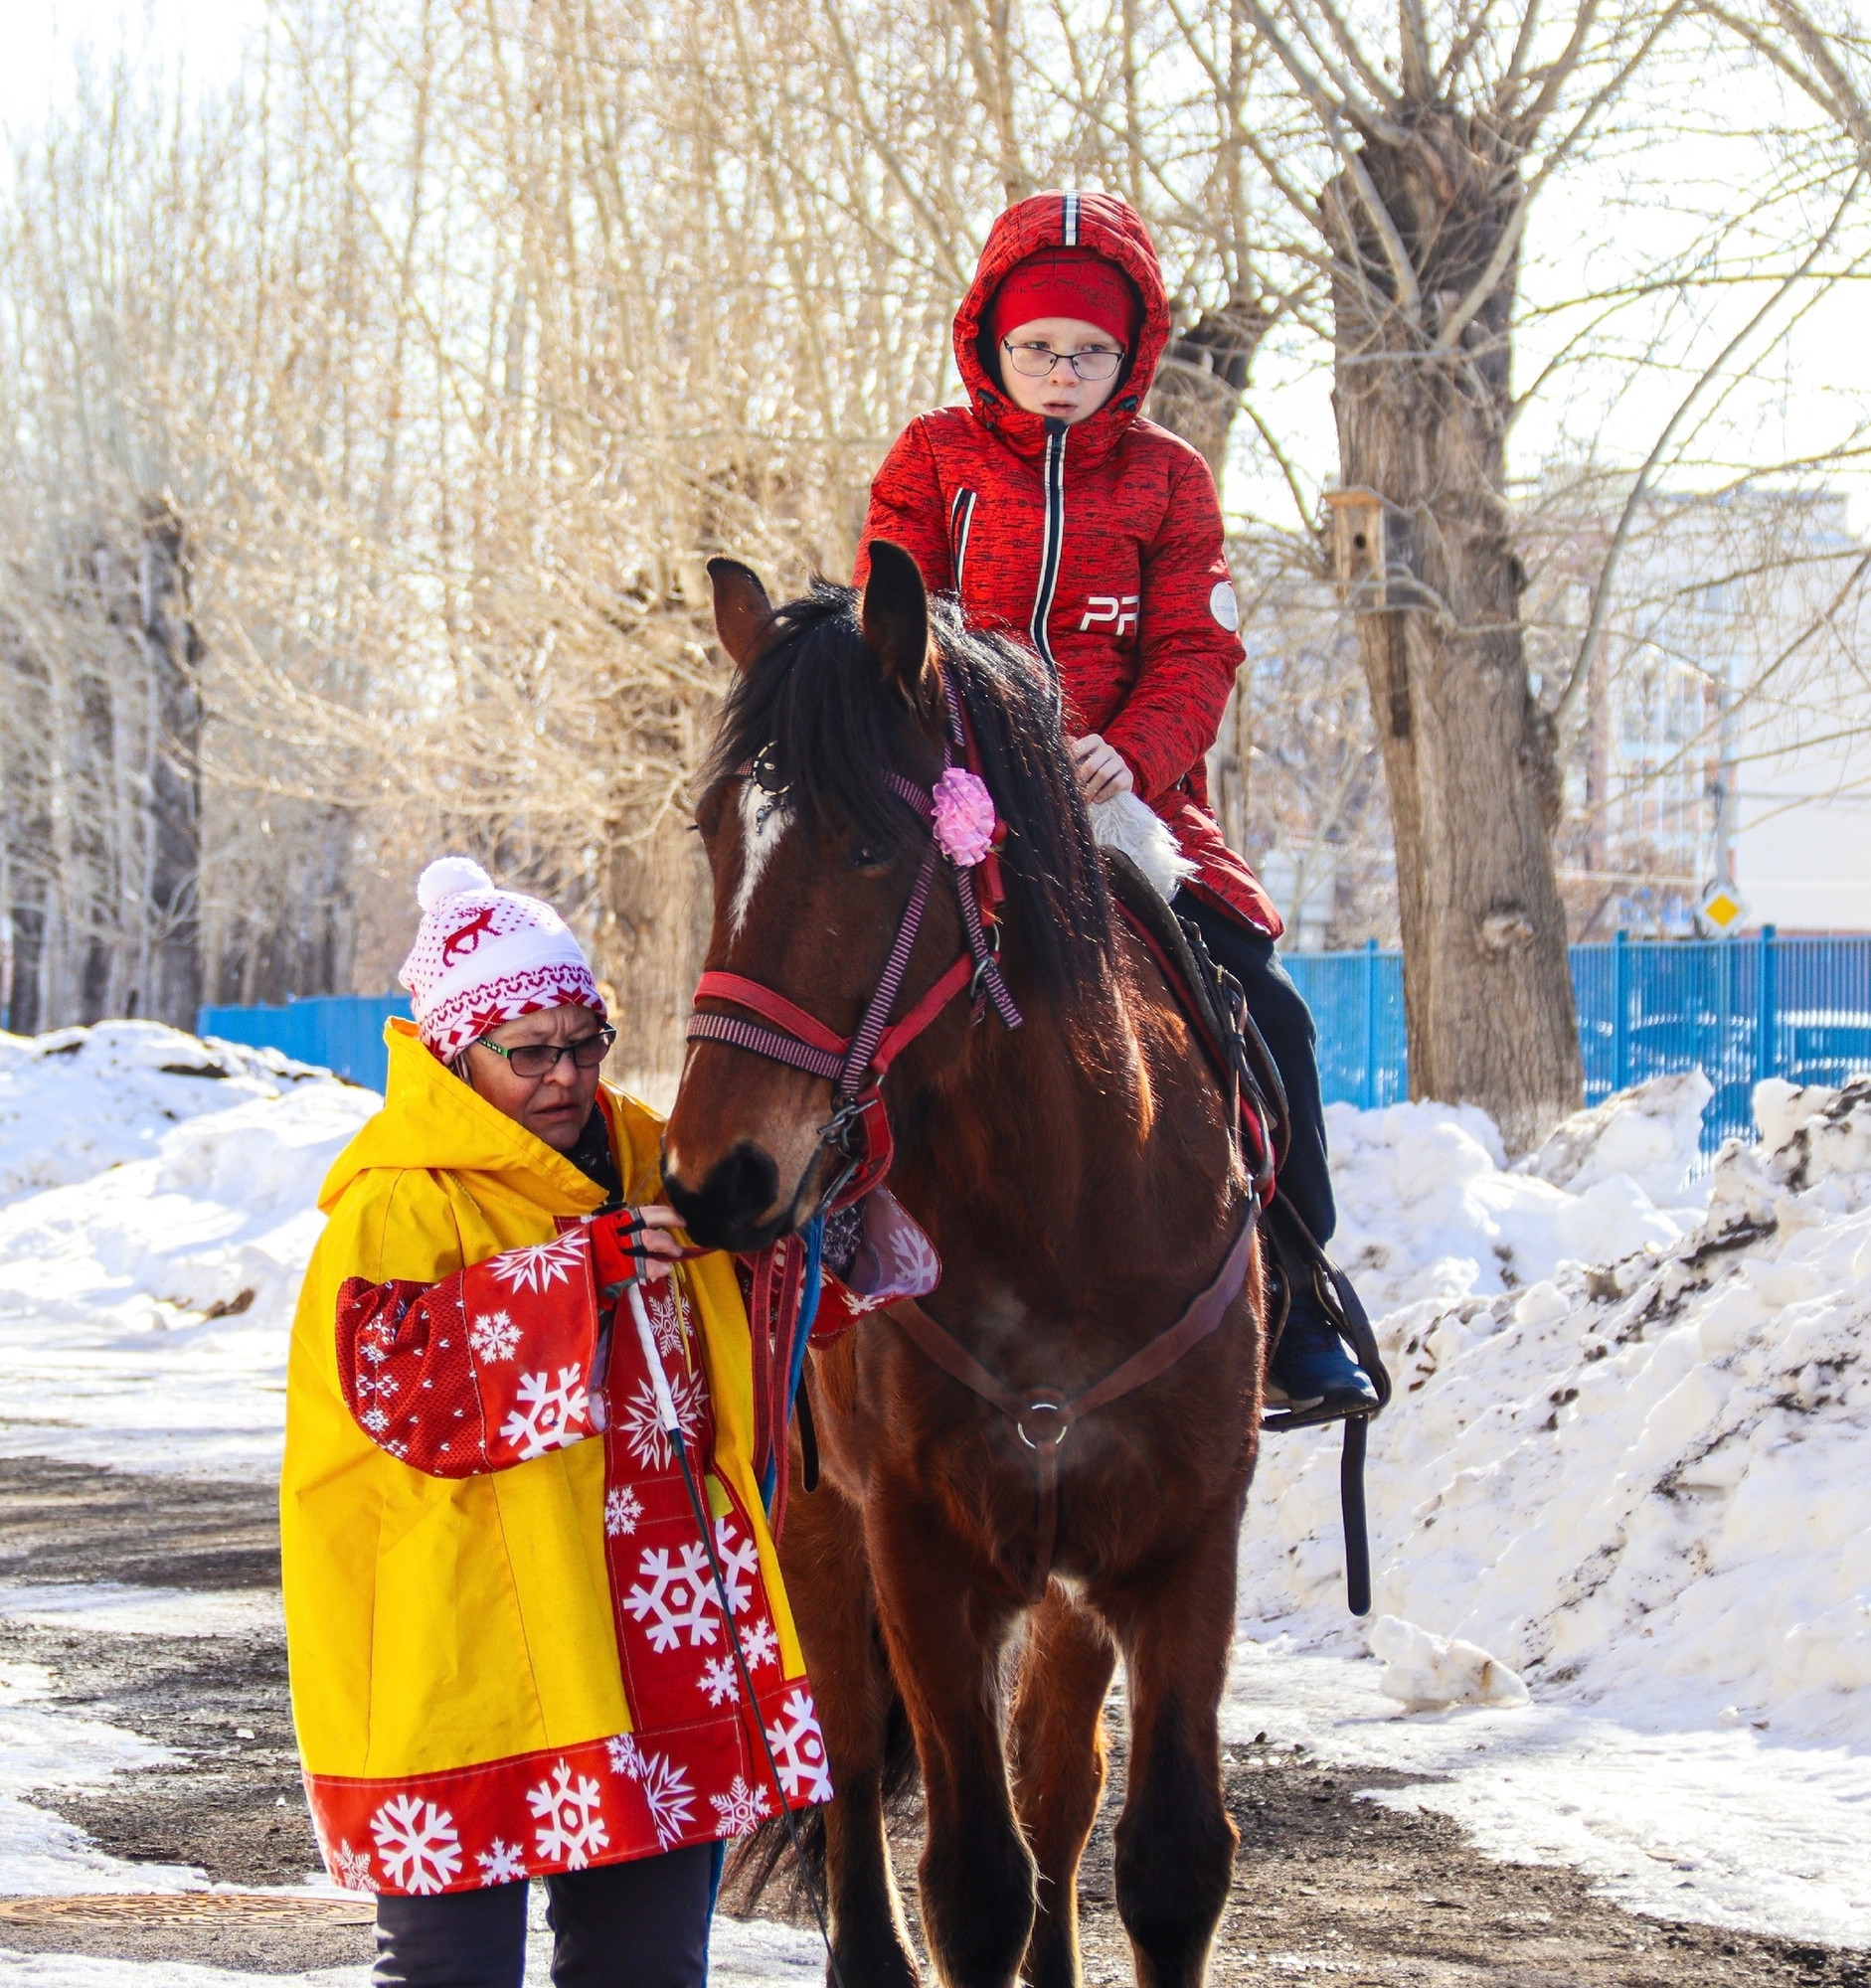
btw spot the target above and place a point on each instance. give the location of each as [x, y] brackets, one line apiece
[1797, 750]
[1296, 776]
[1724, 733]
[1727, 727]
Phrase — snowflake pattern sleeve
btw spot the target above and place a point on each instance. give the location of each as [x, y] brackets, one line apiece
[490, 1368]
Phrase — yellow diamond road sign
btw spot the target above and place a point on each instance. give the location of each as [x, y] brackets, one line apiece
[1723, 906]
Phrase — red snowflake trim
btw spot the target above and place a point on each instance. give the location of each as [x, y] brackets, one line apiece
[470, 1012]
[487, 1367]
[567, 1808]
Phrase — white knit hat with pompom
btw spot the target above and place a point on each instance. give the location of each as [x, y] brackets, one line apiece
[484, 957]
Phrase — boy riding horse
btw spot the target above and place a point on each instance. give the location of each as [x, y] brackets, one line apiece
[1058, 515]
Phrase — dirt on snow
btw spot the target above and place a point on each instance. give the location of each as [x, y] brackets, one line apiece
[1327, 1888]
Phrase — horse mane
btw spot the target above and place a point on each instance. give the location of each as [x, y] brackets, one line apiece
[817, 705]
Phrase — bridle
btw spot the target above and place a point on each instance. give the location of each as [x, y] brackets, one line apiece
[856, 1064]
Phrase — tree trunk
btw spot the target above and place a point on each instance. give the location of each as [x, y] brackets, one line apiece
[1469, 757]
[164, 631]
[171, 652]
[1204, 373]
[26, 752]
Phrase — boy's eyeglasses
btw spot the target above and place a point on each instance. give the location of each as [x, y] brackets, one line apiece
[1036, 361]
[536, 1059]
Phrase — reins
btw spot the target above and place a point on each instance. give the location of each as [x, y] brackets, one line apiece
[1053, 1417]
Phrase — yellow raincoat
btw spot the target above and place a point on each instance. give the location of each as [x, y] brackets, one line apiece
[522, 1669]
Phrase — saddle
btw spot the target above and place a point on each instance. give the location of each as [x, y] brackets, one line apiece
[1216, 1007]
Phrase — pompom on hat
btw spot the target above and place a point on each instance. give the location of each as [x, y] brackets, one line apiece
[484, 957]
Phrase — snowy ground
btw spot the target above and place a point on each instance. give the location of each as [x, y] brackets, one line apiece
[1625, 1460]
[748, 1954]
[156, 1212]
[1620, 1465]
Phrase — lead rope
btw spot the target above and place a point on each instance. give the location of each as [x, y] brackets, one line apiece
[672, 1431]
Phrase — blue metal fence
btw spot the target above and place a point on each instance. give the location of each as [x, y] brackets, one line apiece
[1737, 1009]
[343, 1032]
[1357, 1003]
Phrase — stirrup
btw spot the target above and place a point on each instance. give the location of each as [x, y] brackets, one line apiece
[1279, 1415]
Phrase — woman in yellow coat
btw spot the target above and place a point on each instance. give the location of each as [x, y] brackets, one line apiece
[509, 1651]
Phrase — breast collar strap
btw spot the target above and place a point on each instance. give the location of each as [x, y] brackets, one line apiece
[857, 1065]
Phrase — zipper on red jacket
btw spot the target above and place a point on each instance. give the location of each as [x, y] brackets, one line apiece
[1051, 539]
[960, 518]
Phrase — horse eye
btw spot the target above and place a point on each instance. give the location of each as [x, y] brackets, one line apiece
[863, 857]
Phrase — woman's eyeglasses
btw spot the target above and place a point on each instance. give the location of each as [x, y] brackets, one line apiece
[536, 1059]
[1036, 361]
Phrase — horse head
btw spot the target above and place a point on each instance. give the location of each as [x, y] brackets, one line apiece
[811, 856]
[815, 818]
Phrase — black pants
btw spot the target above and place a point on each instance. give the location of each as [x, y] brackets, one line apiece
[642, 1925]
[1285, 1022]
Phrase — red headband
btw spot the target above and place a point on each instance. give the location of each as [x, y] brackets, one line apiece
[1065, 283]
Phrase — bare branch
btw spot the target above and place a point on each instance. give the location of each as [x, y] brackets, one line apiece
[1566, 708]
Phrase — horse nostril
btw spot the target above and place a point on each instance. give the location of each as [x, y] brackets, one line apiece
[732, 1209]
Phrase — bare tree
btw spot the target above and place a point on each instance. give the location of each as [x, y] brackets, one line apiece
[461, 337]
[1430, 154]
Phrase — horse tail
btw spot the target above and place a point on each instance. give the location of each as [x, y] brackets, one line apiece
[767, 1858]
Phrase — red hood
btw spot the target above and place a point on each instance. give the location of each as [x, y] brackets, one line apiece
[1112, 229]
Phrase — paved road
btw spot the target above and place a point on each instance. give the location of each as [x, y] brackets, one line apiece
[1327, 1887]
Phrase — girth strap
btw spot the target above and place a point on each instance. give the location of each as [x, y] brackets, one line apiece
[1053, 1418]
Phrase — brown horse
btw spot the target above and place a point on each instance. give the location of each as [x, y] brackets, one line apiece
[1078, 1177]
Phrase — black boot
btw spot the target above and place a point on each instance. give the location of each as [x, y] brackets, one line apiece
[1313, 1364]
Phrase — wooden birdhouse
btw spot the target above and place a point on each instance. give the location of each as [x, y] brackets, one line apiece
[1360, 554]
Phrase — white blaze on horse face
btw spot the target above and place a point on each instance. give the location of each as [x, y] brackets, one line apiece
[765, 819]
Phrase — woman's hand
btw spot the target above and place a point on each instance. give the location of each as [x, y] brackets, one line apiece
[1100, 768]
[655, 1243]
[635, 1243]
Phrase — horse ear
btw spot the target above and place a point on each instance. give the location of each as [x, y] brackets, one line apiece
[895, 619]
[743, 613]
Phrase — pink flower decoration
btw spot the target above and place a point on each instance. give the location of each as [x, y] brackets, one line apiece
[964, 817]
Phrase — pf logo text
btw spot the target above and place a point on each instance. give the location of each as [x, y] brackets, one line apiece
[1116, 611]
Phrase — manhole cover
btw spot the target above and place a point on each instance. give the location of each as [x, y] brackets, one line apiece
[188, 1908]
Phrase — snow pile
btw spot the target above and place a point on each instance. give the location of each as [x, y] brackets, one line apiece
[79, 1101]
[1727, 1827]
[145, 1298]
[1426, 1209]
[1424, 1672]
[1625, 1449]
[1648, 1135]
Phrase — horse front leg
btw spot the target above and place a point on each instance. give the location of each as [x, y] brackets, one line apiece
[828, 1578]
[1057, 1738]
[1174, 1845]
[946, 1619]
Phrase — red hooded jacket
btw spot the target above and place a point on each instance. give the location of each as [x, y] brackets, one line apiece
[1099, 545]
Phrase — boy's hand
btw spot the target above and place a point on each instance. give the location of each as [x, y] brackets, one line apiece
[1102, 769]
